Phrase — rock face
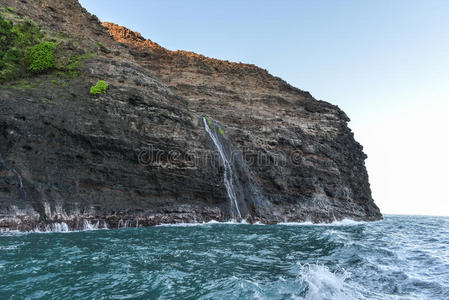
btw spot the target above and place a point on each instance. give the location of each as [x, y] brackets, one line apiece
[144, 153]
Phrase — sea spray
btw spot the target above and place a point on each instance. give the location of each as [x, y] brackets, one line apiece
[321, 283]
[54, 227]
[87, 225]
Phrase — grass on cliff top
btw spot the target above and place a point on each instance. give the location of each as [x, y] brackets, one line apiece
[26, 50]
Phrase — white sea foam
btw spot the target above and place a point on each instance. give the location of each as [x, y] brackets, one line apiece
[55, 227]
[64, 227]
[212, 222]
[344, 222]
[60, 227]
[87, 225]
[323, 284]
[7, 232]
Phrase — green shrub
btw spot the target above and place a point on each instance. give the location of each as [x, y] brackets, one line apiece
[70, 67]
[42, 57]
[220, 131]
[12, 55]
[100, 88]
[10, 9]
[27, 34]
[26, 51]
[14, 40]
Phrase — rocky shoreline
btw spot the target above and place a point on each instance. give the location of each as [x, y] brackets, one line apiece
[81, 223]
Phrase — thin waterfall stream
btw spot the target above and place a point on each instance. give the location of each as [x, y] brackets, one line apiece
[228, 170]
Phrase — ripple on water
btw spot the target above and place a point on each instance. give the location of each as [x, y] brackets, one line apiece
[397, 258]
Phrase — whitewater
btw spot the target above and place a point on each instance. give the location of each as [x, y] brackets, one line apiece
[400, 257]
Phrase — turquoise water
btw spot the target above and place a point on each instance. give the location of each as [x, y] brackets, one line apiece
[401, 257]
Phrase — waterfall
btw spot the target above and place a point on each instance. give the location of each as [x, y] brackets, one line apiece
[22, 188]
[228, 171]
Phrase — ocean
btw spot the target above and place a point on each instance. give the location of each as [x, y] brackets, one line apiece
[400, 257]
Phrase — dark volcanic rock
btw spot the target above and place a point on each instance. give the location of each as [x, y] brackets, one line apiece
[140, 155]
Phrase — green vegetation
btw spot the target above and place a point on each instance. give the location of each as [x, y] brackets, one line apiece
[99, 44]
[42, 57]
[26, 51]
[100, 88]
[20, 85]
[62, 35]
[69, 67]
[211, 125]
[209, 121]
[10, 9]
[59, 82]
[15, 42]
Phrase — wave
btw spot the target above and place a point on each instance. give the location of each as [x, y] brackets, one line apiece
[9, 232]
[344, 222]
[399, 258]
[212, 222]
[320, 283]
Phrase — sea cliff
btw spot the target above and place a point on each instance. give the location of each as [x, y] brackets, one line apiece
[177, 137]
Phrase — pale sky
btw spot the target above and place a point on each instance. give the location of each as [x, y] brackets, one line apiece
[385, 63]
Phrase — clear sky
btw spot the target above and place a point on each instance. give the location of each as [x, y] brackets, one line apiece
[385, 63]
